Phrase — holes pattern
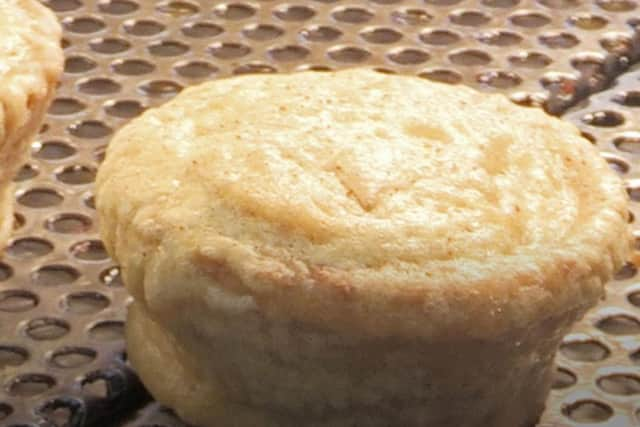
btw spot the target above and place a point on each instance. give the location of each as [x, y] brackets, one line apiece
[607, 355]
[588, 411]
[60, 291]
[491, 23]
[57, 283]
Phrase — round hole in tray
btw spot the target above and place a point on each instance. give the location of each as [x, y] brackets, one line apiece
[55, 275]
[321, 33]
[124, 109]
[76, 175]
[96, 385]
[408, 56]
[633, 189]
[18, 221]
[5, 410]
[499, 79]
[167, 48]
[588, 350]
[68, 223]
[560, 4]
[616, 43]
[439, 37]
[412, 16]
[177, 9]
[442, 2]
[563, 378]
[11, 355]
[29, 247]
[109, 45]
[381, 35]
[195, 69]
[634, 298]
[79, 64]
[348, 54]
[617, 5]
[17, 300]
[107, 330]
[89, 250]
[53, 150]
[46, 328]
[201, 29]
[500, 3]
[262, 32]
[117, 7]
[90, 129]
[470, 57]
[352, 15]
[90, 201]
[143, 27]
[499, 38]
[588, 411]
[40, 198]
[626, 272]
[66, 106]
[619, 324]
[254, 68]
[229, 50]
[63, 5]
[83, 24]
[442, 75]
[132, 67]
[470, 18]
[559, 40]
[293, 13]
[234, 11]
[620, 384]
[86, 302]
[603, 118]
[99, 86]
[161, 88]
[589, 64]
[28, 385]
[530, 60]
[26, 173]
[288, 53]
[618, 165]
[629, 98]
[529, 19]
[588, 21]
[5, 271]
[72, 357]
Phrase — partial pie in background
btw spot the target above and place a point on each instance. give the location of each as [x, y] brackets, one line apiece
[30, 63]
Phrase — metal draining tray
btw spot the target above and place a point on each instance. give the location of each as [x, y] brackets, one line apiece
[62, 360]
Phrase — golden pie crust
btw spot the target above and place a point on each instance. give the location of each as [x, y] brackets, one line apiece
[327, 248]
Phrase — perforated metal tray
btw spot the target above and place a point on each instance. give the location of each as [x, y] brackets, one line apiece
[62, 359]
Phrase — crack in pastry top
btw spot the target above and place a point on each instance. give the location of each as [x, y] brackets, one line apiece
[396, 180]
[401, 165]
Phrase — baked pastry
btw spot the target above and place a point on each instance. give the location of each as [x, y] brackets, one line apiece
[355, 249]
[30, 64]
